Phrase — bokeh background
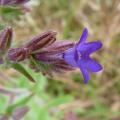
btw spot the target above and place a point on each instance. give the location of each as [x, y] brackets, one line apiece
[66, 95]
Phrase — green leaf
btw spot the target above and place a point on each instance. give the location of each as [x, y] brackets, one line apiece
[21, 69]
[59, 100]
[2, 26]
[43, 67]
[21, 102]
[9, 11]
[44, 113]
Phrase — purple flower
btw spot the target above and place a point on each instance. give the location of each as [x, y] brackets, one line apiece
[79, 56]
[52, 56]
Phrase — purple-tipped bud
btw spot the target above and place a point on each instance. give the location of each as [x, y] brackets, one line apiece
[58, 47]
[12, 2]
[32, 47]
[54, 52]
[53, 56]
[40, 41]
[48, 58]
[61, 66]
[18, 54]
[5, 39]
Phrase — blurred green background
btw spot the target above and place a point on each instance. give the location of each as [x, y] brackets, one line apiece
[55, 98]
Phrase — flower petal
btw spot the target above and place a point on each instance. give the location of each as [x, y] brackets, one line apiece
[68, 56]
[89, 47]
[90, 64]
[84, 73]
[83, 36]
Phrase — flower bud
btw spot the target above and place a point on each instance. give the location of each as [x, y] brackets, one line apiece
[32, 47]
[40, 41]
[18, 54]
[61, 66]
[5, 39]
[53, 57]
[57, 47]
[53, 52]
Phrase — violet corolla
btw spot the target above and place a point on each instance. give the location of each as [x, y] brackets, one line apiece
[79, 56]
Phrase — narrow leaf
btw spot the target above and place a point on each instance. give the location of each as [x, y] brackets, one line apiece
[21, 69]
[19, 103]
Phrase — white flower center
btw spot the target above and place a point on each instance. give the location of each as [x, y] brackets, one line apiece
[79, 55]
